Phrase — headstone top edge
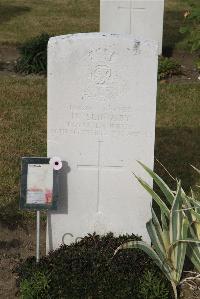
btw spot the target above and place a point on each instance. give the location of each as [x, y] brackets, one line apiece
[126, 0]
[78, 36]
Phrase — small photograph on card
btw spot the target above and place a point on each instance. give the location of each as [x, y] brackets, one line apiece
[39, 184]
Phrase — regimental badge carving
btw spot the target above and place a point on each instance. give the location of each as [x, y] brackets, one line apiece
[101, 74]
[101, 54]
[101, 59]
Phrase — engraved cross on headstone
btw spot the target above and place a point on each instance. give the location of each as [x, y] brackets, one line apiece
[132, 8]
[99, 167]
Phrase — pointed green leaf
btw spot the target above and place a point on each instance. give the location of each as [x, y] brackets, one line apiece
[155, 235]
[155, 196]
[193, 252]
[181, 247]
[175, 216]
[162, 185]
[196, 215]
[197, 170]
[195, 241]
[165, 225]
[175, 226]
[156, 221]
[195, 203]
[165, 228]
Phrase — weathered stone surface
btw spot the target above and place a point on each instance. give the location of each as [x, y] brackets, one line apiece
[141, 18]
[101, 119]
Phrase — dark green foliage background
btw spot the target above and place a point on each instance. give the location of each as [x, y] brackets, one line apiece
[33, 55]
[87, 269]
[168, 67]
[191, 26]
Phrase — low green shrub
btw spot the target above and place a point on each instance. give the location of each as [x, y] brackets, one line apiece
[88, 269]
[168, 67]
[33, 55]
[35, 287]
[152, 286]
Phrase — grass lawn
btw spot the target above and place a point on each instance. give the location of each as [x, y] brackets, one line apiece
[173, 19]
[22, 19]
[178, 131]
[23, 131]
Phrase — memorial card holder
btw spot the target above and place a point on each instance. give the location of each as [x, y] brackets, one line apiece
[39, 189]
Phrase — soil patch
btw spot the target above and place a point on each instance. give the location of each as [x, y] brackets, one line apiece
[16, 245]
[189, 71]
[190, 289]
[10, 54]
[8, 59]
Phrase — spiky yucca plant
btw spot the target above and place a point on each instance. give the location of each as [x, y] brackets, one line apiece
[167, 251]
[190, 207]
[169, 236]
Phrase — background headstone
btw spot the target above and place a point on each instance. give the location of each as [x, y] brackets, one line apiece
[141, 18]
[101, 119]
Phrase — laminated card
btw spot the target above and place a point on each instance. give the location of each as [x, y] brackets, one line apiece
[101, 120]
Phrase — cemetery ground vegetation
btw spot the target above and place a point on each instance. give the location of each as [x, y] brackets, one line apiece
[185, 30]
[191, 25]
[23, 108]
[87, 269]
[22, 133]
[174, 18]
[33, 55]
[21, 20]
[191, 29]
[17, 243]
[168, 67]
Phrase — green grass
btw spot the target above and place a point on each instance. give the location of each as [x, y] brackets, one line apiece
[178, 105]
[178, 131]
[173, 19]
[23, 131]
[22, 19]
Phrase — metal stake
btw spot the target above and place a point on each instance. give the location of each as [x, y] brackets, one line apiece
[38, 238]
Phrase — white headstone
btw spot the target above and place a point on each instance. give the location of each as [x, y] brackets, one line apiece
[101, 119]
[141, 18]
